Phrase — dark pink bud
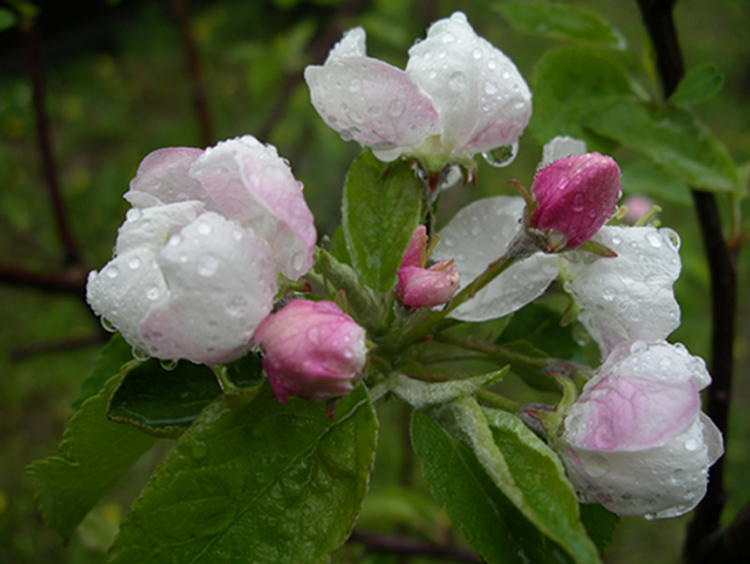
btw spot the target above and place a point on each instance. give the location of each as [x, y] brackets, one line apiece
[312, 350]
[575, 196]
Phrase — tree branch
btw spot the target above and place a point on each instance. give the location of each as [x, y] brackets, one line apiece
[658, 18]
[406, 546]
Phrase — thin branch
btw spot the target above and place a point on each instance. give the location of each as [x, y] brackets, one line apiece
[400, 545]
[179, 11]
[71, 280]
[44, 135]
[658, 18]
[65, 345]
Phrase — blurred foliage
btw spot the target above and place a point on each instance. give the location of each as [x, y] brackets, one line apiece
[117, 88]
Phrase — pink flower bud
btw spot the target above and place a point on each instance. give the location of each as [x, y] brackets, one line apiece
[312, 350]
[425, 287]
[575, 196]
[636, 440]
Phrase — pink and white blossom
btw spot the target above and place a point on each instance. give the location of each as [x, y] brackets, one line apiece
[459, 95]
[636, 440]
[312, 350]
[197, 258]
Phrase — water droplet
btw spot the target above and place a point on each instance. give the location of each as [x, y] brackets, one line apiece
[139, 355]
[649, 516]
[204, 228]
[616, 240]
[432, 74]
[168, 365]
[396, 108]
[492, 64]
[608, 294]
[297, 260]
[505, 73]
[107, 325]
[198, 450]
[153, 293]
[355, 85]
[346, 135]
[477, 53]
[578, 203]
[654, 239]
[174, 241]
[133, 214]
[237, 305]
[374, 111]
[476, 230]
[502, 156]
[627, 280]
[490, 88]
[313, 335]
[671, 237]
[596, 465]
[237, 234]
[112, 271]
[691, 445]
[448, 38]
[638, 347]
[457, 81]
[450, 243]
[207, 266]
[134, 263]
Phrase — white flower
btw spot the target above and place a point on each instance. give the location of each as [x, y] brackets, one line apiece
[197, 258]
[458, 96]
[636, 440]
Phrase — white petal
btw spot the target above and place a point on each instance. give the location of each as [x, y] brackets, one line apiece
[481, 97]
[371, 102]
[629, 297]
[221, 281]
[124, 291]
[479, 234]
[153, 226]
[561, 147]
[352, 44]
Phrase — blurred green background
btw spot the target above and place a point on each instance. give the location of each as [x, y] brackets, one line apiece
[118, 87]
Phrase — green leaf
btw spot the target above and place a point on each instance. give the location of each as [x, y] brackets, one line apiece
[94, 453]
[381, 209]
[112, 358]
[699, 85]
[163, 402]
[560, 21]
[600, 524]
[531, 462]
[338, 247]
[497, 531]
[644, 177]
[570, 84]
[673, 139]
[364, 305]
[244, 374]
[268, 483]
[517, 461]
[7, 19]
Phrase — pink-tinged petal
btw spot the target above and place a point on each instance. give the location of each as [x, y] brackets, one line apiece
[576, 196]
[416, 248]
[630, 296]
[479, 234]
[163, 178]
[221, 282]
[481, 97]
[252, 185]
[312, 350]
[373, 103]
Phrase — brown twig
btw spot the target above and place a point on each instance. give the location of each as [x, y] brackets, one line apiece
[70, 280]
[44, 135]
[179, 11]
[65, 345]
[405, 546]
[658, 18]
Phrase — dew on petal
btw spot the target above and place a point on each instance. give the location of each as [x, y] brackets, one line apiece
[457, 81]
[107, 325]
[355, 85]
[204, 229]
[207, 266]
[153, 293]
[654, 239]
[477, 53]
[133, 214]
[502, 156]
[134, 263]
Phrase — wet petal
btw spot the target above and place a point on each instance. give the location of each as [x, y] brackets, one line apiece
[479, 234]
[482, 99]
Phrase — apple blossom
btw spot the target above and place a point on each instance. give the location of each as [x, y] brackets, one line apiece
[458, 96]
[425, 287]
[197, 258]
[636, 440]
[312, 350]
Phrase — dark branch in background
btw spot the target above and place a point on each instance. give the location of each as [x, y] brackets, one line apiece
[70, 280]
[398, 545]
[44, 135]
[703, 538]
[318, 49]
[179, 11]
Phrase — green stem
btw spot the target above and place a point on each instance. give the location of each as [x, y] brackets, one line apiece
[504, 355]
